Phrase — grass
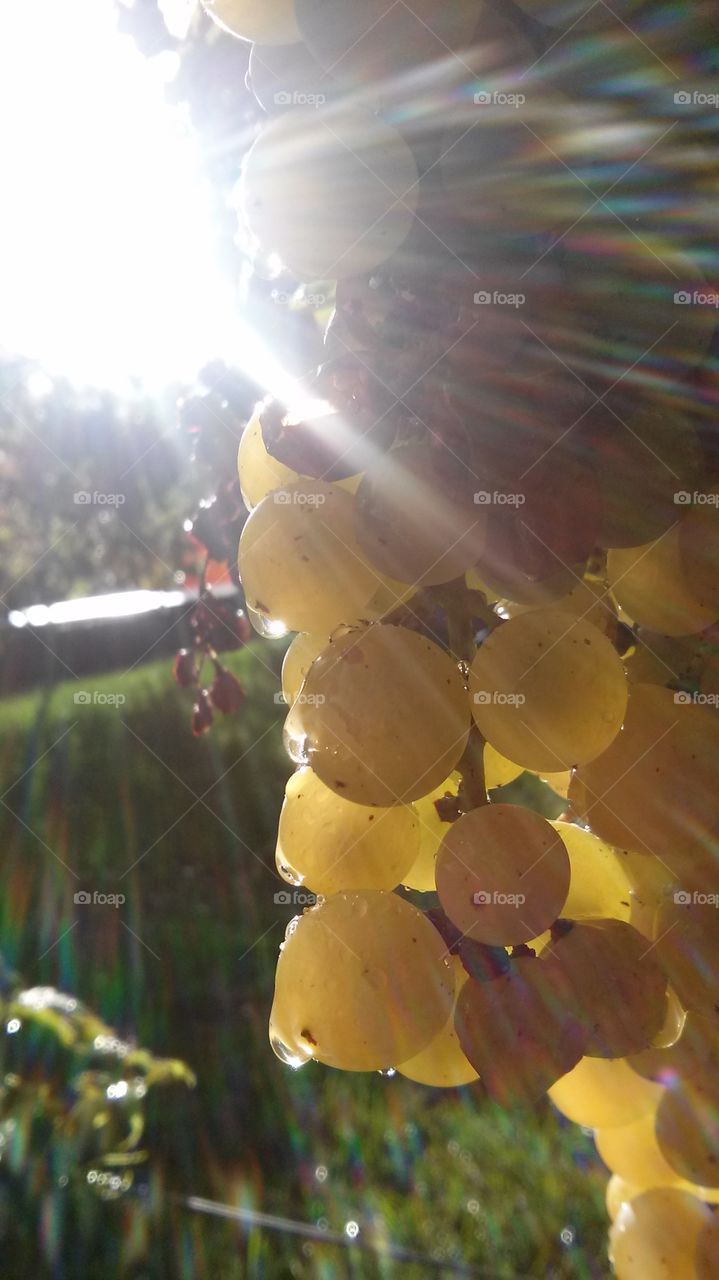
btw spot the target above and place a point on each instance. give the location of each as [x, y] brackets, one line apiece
[121, 799]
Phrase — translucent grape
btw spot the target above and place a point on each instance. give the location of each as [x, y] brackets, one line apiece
[273, 23]
[687, 946]
[502, 874]
[699, 548]
[333, 192]
[299, 561]
[628, 795]
[432, 829]
[599, 885]
[384, 717]
[416, 516]
[328, 843]
[613, 983]
[442, 1063]
[619, 1192]
[655, 1236]
[548, 690]
[650, 583]
[297, 661]
[497, 770]
[516, 1033]
[601, 1093]
[362, 983]
[631, 1150]
[687, 1129]
[695, 1050]
[259, 472]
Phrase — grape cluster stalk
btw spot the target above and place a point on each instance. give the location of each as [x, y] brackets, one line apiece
[490, 517]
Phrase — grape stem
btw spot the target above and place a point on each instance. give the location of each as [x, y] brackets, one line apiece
[473, 789]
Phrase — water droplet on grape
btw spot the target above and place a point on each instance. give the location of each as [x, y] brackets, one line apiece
[288, 1056]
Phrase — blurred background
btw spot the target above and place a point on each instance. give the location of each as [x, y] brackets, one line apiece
[136, 338]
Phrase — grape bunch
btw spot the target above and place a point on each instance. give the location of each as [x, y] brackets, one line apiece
[491, 518]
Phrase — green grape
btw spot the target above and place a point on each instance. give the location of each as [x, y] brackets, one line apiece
[299, 561]
[268, 23]
[602, 1093]
[629, 795]
[333, 192]
[641, 459]
[631, 1151]
[619, 1193]
[614, 984]
[502, 874]
[498, 771]
[328, 843]
[687, 1129]
[297, 661]
[516, 1032]
[259, 472]
[416, 516]
[599, 885]
[442, 1063]
[655, 1236]
[687, 946]
[384, 717]
[548, 690]
[695, 1050]
[363, 982]
[432, 829]
[650, 584]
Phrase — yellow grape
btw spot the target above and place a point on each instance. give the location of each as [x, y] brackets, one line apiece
[266, 21]
[613, 984]
[442, 1063]
[650, 583]
[693, 1051]
[299, 561]
[328, 843]
[548, 690]
[619, 1192]
[687, 946]
[502, 874]
[259, 472]
[699, 545]
[362, 983]
[384, 717]
[497, 770]
[297, 661]
[687, 1129]
[432, 830]
[706, 1257]
[599, 885]
[602, 1093]
[655, 1236]
[558, 782]
[332, 191]
[654, 789]
[631, 1150]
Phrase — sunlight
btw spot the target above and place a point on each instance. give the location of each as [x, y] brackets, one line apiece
[108, 243]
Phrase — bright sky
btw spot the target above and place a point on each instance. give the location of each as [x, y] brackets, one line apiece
[107, 242]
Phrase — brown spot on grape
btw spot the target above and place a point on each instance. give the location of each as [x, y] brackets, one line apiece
[307, 1035]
